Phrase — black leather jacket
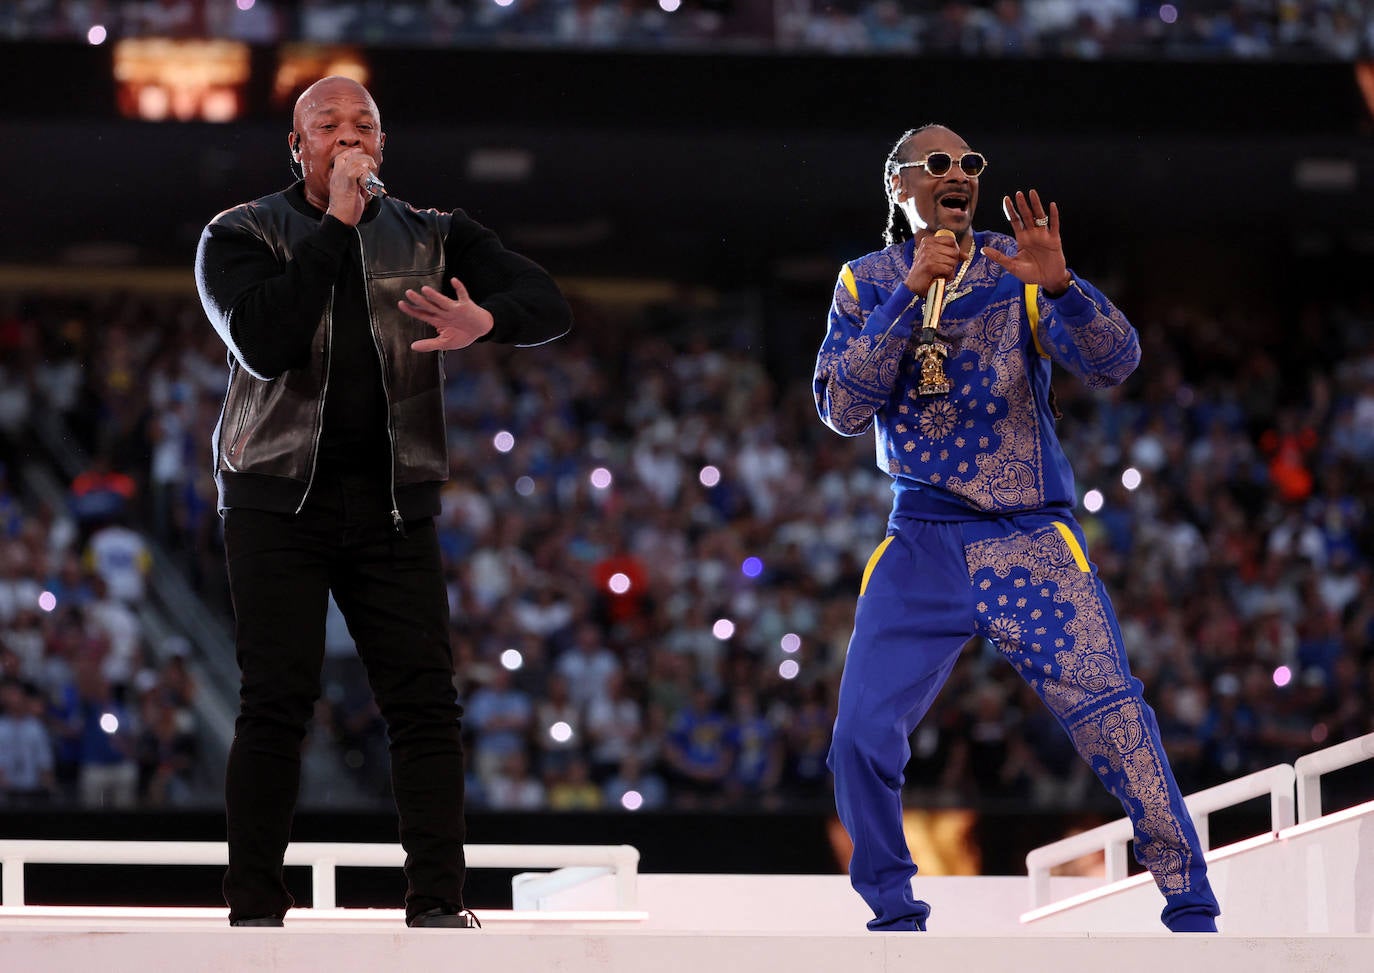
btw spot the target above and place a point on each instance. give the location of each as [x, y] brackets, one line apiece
[267, 438]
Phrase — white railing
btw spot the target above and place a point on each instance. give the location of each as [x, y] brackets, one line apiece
[1310, 768]
[1112, 838]
[580, 862]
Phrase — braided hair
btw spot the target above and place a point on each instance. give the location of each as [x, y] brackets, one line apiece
[898, 229]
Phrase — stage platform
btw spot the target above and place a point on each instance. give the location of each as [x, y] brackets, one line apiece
[680, 924]
[1296, 899]
[48, 940]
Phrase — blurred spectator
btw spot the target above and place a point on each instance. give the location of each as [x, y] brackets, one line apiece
[101, 494]
[120, 557]
[756, 753]
[108, 774]
[572, 788]
[615, 727]
[166, 750]
[558, 727]
[499, 716]
[1010, 32]
[26, 750]
[513, 787]
[634, 788]
[697, 752]
[588, 666]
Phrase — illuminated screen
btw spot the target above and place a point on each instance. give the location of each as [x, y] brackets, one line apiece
[943, 842]
[164, 80]
[300, 65]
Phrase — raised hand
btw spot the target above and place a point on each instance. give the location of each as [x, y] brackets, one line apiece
[457, 321]
[1039, 253]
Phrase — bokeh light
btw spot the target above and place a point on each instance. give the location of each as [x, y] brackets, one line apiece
[723, 628]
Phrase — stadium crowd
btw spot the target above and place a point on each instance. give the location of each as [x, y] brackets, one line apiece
[1090, 29]
[652, 578]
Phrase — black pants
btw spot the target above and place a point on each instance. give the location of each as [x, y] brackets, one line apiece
[390, 589]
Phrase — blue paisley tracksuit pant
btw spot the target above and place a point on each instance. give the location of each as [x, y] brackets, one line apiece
[1024, 583]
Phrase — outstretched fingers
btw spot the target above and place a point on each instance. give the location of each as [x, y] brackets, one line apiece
[1025, 211]
[430, 304]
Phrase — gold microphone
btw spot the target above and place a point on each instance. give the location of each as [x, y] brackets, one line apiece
[935, 297]
[930, 351]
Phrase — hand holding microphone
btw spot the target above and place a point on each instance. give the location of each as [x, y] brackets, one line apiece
[352, 182]
[935, 256]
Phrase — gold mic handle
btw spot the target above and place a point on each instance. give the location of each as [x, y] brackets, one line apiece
[935, 297]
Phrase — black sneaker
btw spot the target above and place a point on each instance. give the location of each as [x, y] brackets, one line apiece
[444, 919]
[259, 921]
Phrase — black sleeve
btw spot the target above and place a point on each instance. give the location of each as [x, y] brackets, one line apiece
[526, 305]
[267, 311]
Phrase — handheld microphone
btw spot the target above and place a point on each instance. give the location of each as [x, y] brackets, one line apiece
[376, 187]
[935, 297]
[930, 351]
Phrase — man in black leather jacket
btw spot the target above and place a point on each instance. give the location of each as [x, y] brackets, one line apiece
[336, 303]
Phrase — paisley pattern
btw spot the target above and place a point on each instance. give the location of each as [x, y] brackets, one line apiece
[1050, 620]
[989, 440]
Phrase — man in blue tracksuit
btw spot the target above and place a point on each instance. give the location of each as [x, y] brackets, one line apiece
[943, 343]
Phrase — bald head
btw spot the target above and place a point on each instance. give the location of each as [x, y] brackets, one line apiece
[329, 89]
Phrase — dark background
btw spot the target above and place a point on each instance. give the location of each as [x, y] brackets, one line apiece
[718, 169]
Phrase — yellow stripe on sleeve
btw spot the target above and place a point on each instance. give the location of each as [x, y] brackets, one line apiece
[1033, 312]
[847, 276]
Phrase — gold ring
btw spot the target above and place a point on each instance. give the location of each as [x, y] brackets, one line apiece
[1043, 221]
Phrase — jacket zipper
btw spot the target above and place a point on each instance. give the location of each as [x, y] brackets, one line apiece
[324, 391]
[238, 429]
[396, 522]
